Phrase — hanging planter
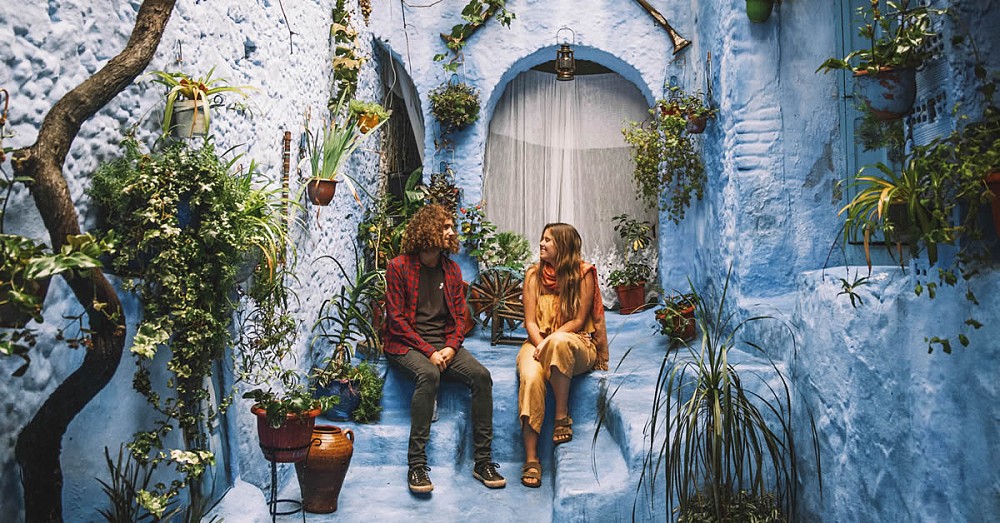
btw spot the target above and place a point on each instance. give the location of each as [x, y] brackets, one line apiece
[888, 93]
[455, 105]
[190, 119]
[321, 191]
[759, 11]
[696, 124]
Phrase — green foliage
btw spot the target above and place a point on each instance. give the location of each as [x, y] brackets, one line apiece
[363, 377]
[127, 479]
[182, 86]
[637, 236]
[478, 236]
[897, 38]
[849, 289]
[349, 316]
[183, 224]
[295, 400]
[514, 250]
[710, 436]
[666, 163]
[738, 507]
[455, 105]
[874, 134]
[380, 232]
[475, 13]
[670, 315]
[358, 108]
[347, 57]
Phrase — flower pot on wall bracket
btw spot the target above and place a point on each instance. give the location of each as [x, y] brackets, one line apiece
[993, 182]
[190, 119]
[889, 93]
[759, 10]
[321, 191]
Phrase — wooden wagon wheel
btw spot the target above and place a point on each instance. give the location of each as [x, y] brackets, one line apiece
[495, 290]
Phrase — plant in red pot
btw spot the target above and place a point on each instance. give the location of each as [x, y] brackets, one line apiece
[630, 280]
[676, 318]
[285, 421]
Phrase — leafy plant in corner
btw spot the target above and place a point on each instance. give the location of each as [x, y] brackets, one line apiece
[713, 440]
[363, 378]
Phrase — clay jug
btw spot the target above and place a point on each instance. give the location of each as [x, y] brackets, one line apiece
[321, 474]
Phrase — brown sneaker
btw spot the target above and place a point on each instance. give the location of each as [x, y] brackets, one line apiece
[486, 471]
[419, 480]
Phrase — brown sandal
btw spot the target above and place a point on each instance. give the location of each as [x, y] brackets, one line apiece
[531, 474]
[563, 431]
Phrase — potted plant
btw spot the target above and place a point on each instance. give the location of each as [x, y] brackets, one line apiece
[188, 99]
[758, 11]
[346, 319]
[666, 162]
[630, 280]
[885, 71]
[455, 105]
[368, 114]
[285, 421]
[689, 106]
[328, 154]
[358, 389]
[676, 317]
[720, 437]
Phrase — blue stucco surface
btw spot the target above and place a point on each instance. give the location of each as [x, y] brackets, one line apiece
[904, 435]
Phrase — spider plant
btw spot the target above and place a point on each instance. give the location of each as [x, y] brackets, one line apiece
[713, 437]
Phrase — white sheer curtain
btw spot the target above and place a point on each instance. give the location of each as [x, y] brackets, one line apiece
[555, 153]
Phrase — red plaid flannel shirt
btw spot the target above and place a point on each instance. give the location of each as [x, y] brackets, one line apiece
[401, 279]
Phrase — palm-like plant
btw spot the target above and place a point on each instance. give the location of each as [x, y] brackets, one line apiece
[714, 437]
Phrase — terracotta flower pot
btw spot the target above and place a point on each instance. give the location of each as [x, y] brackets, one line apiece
[289, 442]
[321, 191]
[631, 298]
[367, 122]
[889, 93]
[696, 124]
[321, 474]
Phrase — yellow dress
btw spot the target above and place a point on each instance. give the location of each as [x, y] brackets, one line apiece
[571, 353]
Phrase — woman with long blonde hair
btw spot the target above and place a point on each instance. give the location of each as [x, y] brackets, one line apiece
[564, 317]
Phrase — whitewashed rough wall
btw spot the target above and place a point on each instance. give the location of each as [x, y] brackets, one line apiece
[47, 49]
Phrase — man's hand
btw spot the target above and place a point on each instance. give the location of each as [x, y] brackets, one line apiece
[439, 360]
[448, 353]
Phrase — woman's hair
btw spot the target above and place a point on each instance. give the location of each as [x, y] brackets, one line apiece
[567, 266]
[425, 231]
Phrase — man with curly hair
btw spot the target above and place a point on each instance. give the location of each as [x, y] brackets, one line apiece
[425, 306]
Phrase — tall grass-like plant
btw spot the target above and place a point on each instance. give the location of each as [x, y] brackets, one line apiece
[712, 439]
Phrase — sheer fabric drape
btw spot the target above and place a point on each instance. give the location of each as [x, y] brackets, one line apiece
[555, 153]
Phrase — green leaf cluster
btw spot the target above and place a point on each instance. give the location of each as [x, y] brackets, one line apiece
[455, 105]
[637, 235]
[475, 13]
[669, 172]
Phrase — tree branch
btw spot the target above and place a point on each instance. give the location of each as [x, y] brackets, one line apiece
[40, 442]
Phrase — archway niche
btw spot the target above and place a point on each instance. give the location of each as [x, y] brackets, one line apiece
[403, 135]
[555, 153]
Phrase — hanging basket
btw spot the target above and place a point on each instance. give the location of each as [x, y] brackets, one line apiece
[889, 93]
[758, 11]
[696, 124]
[321, 191]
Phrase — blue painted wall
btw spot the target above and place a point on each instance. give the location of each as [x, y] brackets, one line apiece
[905, 435]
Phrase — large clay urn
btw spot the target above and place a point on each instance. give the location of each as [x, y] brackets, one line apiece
[321, 474]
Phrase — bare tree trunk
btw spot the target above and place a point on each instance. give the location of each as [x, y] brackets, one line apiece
[40, 443]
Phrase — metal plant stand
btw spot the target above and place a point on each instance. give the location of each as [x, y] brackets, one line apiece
[295, 506]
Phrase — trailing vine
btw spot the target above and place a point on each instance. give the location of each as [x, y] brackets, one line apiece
[476, 13]
[183, 223]
[347, 58]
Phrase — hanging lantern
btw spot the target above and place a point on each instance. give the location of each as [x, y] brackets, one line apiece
[565, 63]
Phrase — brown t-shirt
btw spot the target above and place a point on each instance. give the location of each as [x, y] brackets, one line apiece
[432, 313]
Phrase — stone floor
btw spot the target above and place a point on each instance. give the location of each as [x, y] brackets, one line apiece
[588, 479]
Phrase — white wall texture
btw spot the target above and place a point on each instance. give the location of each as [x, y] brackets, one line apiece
[905, 435]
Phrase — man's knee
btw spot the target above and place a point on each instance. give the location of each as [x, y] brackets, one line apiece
[427, 379]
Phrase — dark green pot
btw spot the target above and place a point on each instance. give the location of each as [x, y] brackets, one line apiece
[759, 10]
